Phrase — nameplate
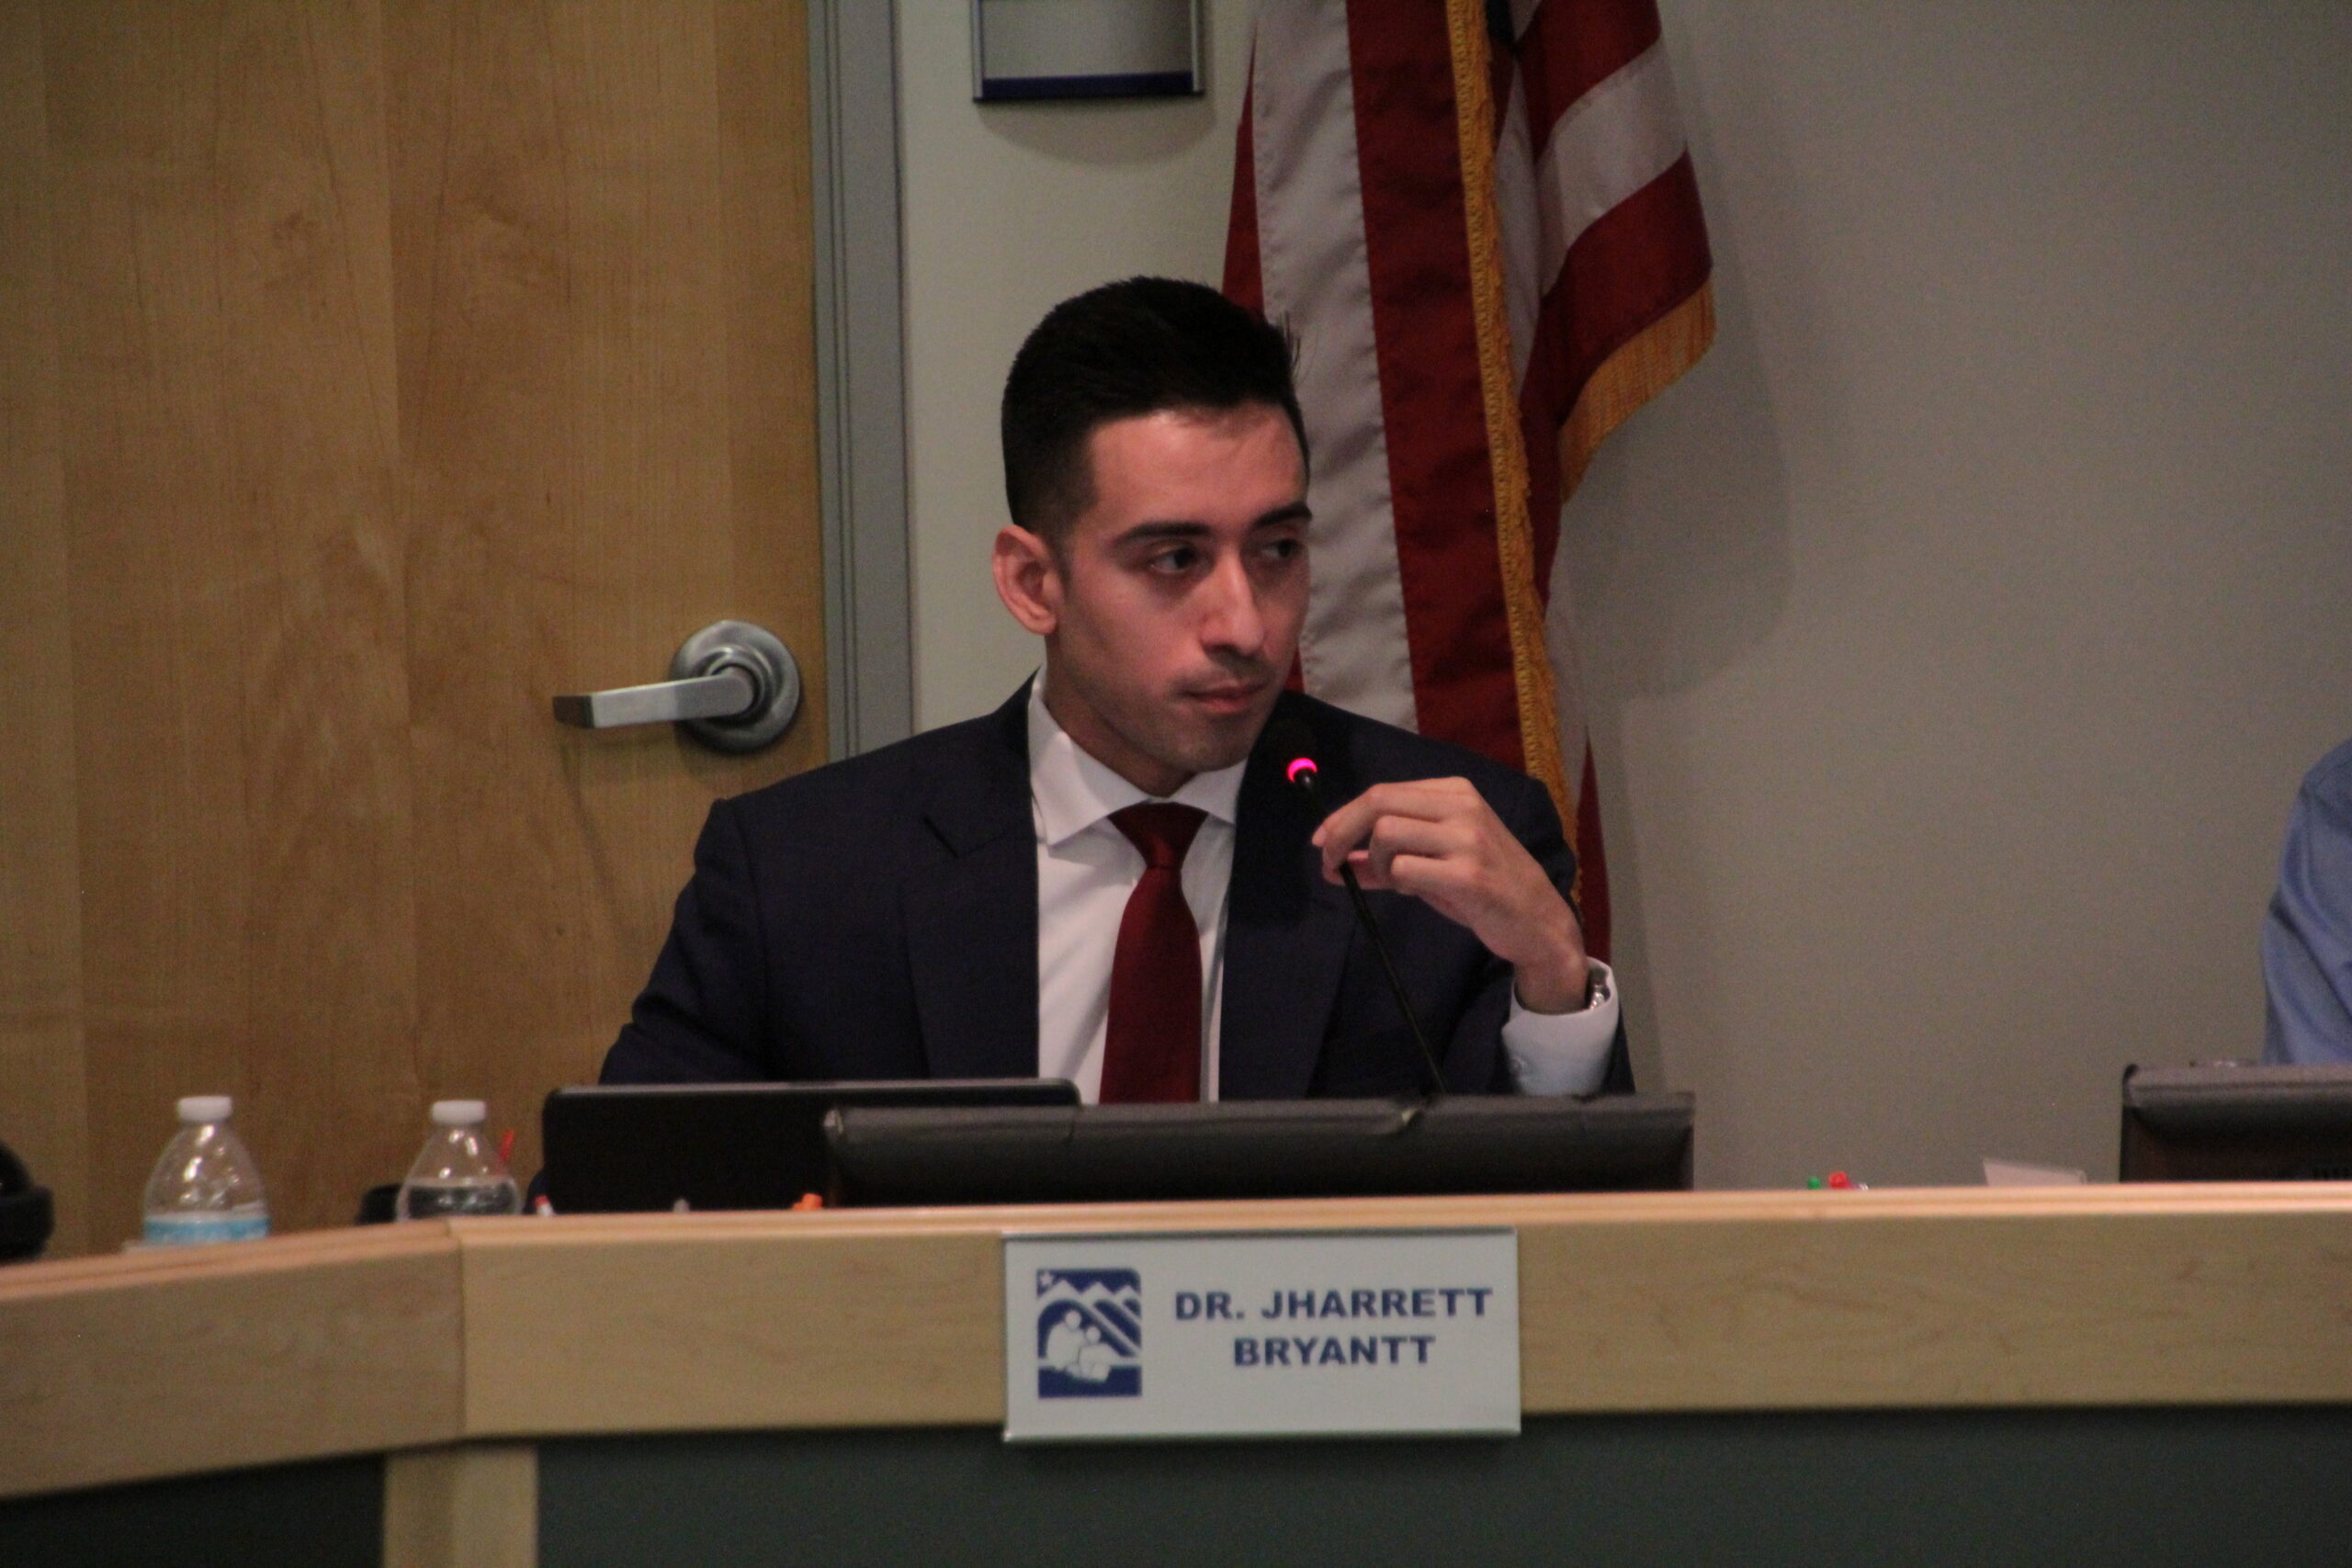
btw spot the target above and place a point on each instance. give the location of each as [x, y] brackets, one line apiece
[1262, 1334]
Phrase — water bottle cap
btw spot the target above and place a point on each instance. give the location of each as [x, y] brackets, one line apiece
[459, 1112]
[199, 1108]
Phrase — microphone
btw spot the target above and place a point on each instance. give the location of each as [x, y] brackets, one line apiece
[1292, 745]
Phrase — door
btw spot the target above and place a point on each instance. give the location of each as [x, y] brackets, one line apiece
[372, 373]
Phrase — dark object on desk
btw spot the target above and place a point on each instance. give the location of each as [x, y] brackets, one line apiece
[26, 1217]
[2233, 1123]
[1322, 1148]
[624, 1149]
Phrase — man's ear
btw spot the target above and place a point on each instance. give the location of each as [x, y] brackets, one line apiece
[1028, 578]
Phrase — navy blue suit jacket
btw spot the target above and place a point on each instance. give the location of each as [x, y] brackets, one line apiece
[878, 919]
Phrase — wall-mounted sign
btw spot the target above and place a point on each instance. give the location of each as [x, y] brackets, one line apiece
[1085, 48]
[1258, 1335]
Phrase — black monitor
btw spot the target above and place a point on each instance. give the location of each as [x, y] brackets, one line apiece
[2234, 1121]
[621, 1149]
[1322, 1148]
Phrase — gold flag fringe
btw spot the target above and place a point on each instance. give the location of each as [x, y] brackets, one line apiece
[1651, 361]
[1539, 716]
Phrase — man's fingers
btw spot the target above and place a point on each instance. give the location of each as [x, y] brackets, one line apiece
[1417, 874]
[1452, 888]
[1439, 843]
[1428, 800]
[1449, 882]
[1393, 836]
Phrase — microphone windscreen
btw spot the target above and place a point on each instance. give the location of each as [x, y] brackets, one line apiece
[1289, 744]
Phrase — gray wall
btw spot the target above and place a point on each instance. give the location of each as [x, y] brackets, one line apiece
[1956, 633]
[1009, 209]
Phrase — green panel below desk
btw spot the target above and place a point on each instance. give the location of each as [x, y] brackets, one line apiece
[326, 1515]
[2138, 1487]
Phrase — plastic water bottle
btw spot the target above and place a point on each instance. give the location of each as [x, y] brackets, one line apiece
[458, 1172]
[205, 1187]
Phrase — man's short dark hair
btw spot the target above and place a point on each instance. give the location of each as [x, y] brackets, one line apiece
[1127, 349]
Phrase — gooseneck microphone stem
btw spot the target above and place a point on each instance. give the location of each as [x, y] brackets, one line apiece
[1396, 981]
[1302, 773]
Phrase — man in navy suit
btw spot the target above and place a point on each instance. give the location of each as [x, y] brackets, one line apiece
[1050, 889]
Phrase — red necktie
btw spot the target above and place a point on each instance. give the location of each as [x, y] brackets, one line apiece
[1152, 1049]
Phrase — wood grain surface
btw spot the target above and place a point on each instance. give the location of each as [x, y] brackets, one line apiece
[178, 1361]
[44, 1104]
[1663, 1302]
[599, 1327]
[374, 373]
[469, 1506]
[502, 1330]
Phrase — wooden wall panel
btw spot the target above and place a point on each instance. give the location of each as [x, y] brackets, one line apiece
[567, 224]
[164, 854]
[43, 1096]
[241, 700]
[404, 366]
[771, 281]
[483, 281]
[308, 397]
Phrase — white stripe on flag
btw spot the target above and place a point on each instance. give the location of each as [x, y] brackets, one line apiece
[1515, 205]
[1312, 256]
[1611, 143]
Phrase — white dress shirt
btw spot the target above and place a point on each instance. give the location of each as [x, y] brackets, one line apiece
[1086, 869]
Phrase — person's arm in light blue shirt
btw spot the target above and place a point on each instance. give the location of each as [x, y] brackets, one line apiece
[2307, 938]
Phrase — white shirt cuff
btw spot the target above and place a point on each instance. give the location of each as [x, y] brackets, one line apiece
[1562, 1053]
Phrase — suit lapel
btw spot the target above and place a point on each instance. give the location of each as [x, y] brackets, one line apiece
[971, 921]
[1285, 939]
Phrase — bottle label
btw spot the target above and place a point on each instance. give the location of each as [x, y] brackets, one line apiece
[200, 1226]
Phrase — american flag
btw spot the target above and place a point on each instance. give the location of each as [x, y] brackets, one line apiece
[1480, 223]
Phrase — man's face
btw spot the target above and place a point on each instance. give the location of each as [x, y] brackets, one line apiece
[1172, 611]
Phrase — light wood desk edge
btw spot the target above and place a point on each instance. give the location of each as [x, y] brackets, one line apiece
[412, 1337]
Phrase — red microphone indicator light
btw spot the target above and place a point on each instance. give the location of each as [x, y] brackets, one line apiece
[1299, 766]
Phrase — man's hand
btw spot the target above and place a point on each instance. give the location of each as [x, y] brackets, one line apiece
[1439, 840]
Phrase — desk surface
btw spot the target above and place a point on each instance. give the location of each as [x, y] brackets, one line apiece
[359, 1342]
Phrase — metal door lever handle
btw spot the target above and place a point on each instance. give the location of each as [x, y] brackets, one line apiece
[735, 688]
[723, 695]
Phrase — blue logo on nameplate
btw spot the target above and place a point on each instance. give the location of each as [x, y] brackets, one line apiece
[1090, 1334]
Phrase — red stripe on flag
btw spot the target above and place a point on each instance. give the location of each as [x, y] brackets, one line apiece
[1245, 281]
[1572, 47]
[1638, 261]
[1442, 481]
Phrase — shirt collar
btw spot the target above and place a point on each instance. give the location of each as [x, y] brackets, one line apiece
[1072, 791]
